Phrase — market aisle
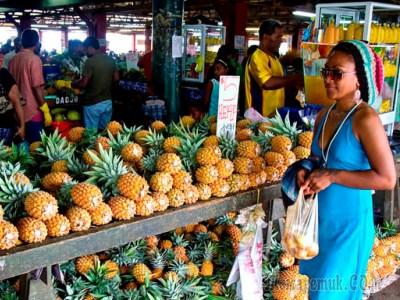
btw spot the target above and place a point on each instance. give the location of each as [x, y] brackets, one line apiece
[392, 292]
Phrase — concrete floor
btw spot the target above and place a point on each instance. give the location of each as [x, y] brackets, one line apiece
[391, 292]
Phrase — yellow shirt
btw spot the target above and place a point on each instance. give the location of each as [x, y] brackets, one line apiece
[259, 69]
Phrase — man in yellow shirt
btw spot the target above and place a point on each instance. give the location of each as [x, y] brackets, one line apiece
[264, 78]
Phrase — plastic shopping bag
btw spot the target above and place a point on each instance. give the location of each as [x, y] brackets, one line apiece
[300, 238]
[254, 116]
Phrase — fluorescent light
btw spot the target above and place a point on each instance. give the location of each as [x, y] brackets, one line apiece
[125, 30]
[220, 23]
[39, 26]
[74, 27]
[251, 28]
[301, 13]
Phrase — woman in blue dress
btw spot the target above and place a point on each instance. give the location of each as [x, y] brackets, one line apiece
[356, 159]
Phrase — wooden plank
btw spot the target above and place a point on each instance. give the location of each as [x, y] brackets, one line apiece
[26, 258]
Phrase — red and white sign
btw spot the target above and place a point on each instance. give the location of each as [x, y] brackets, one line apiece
[227, 105]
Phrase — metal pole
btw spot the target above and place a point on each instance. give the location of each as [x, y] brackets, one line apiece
[167, 22]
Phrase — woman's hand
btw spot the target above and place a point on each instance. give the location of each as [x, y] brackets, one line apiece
[21, 132]
[317, 181]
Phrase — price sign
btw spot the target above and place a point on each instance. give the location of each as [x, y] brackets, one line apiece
[227, 105]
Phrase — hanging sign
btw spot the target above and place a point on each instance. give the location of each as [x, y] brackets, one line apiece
[227, 105]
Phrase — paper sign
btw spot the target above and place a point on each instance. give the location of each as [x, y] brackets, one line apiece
[227, 105]
[132, 60]
[239, 42]
[177, 46]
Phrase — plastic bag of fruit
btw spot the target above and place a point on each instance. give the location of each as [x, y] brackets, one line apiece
[300, 238]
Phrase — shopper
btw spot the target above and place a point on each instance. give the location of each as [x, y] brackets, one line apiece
[26, 68]
[12, 123]
[264, 77]
[99, 73]
[356, 159]
[11, 54]
[73, 59]
[211, 92]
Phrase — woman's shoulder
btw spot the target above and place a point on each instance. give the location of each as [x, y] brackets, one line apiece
[365, 117]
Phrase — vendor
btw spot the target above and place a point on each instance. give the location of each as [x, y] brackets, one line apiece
[73, 59]
[264, 77]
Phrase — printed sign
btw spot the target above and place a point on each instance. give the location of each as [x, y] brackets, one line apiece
[227, 105]
[132, 60]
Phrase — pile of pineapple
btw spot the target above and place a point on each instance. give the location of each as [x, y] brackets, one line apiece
[67, 184]
[385, 257]
[191, 262]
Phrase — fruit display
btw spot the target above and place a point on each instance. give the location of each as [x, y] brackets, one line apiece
[87, 179]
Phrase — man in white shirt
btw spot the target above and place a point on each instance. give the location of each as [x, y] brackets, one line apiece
[11, 54]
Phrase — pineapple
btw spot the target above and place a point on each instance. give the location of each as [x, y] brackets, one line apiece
[86, 195]
[207, 267]
[169, 162]
[213, 236]
[207, 156]
[87, 158]
[282, 127]
[132, 186]
[301, 152]
[187, 121]
[151, 241]
[244, 182]
[286, 260]
[75, 134]
[101, 214]
[20, 178]
[228, 147]
[305, 139]
[34, 146]
[191, 194]
[122, 208]
[261, 177]
[145, 207]
[220, 187]
[79, 218]
[161, 182]
[140, 137]
[171, 144]
[225, 168]
[114, 127]
[84, 264]
[211, 140]
[272, 174]
[204, 191]
[234, 183]
[158, 126]
[289, 158]
[281, 143]
[189, 228]
[192, 270]
[31, 230]
[200, 228]
[274, 159]
[233, 232]
[176, 198]
[8, 235]
[161, 201]
[132, 152]
[207, 174]
[157, 261]
[59, 166]
[182, 180]
[217, 288]
[54, 180]
[112, 269]
[41, 205]
[171, 276]
[102, 142]
[264, 126]
[213, 128]
[243, 134]
[1, 213]
[58, 226]
[243, 165]
[259, 164]
[140, 272]
[179, 249]
[249, 149]
[165, 244]
[244, 123]
[283, 292]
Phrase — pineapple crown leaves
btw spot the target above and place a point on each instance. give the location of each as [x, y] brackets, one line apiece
[201, 237]
[54, 147]
[150, 161]
[105, 172]
[129, 254]
[150, 291]
[171, 289]
[130, 130]
[158, 259]
[263, 139]
[64, 195]
[20, 154]
[76, 167]
[210, 249]
[154, 139]
[195, 289]
[179, 240]
[98, 284]
[195, 253]
[7, 291]
[179, 267]
[389, 228]
[203, 126]
[12, 196]
[89, 137]
[284, 127]
[228, 147]
[9, 169]
[119, 141]
[75, 289]
[190, 144]
[4, 151]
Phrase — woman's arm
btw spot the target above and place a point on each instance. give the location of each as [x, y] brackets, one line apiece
[15, 97]
[382, 176]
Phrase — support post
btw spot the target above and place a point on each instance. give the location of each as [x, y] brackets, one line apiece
[167, 22]
[147, 38]
[100, 26]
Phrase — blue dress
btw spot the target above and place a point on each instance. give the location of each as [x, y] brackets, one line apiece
[346, 227]
[213, 110]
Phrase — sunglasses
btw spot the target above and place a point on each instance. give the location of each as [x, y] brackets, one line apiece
[334, 74]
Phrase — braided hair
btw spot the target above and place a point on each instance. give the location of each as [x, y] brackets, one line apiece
[351, 49]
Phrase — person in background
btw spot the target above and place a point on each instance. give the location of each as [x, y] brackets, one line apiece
[356, 159]
[12, 123]
[11, 54]
[26, 68]
[211, 94]
[264, 78]
[99, 74]
[145, 63]
[73, 59]
[241, 103]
